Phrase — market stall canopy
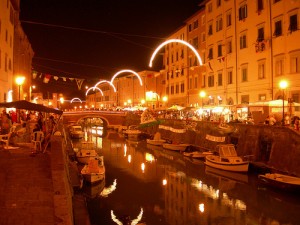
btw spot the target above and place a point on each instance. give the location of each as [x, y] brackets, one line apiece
[23, 104]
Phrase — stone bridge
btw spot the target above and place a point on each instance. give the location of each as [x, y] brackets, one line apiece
[109, 118]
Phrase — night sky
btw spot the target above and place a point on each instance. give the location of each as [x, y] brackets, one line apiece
[94, 39]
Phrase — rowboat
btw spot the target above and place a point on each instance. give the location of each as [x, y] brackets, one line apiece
[280, 181]
[225, 158]
[175, 147]
[196, 152]
[158, 142]
[94, 171]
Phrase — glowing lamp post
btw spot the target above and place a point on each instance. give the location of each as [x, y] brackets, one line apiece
[202, 95]
[20, 81]
[283, 85]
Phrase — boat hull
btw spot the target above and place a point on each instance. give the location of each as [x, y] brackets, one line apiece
[197, 154]
[213, 161]
[93, 177]
[156, 142]
[280, 182]
[175, 147]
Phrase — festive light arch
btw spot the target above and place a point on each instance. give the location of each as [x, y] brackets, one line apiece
[76, 99]
[178, 41]
[106, 81]
[127, 71]
[87, 91]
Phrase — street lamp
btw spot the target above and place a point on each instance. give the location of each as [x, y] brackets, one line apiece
[20, 81]
[202, 95]
[283, 85]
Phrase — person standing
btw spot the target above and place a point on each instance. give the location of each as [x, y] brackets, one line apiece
[6, 124]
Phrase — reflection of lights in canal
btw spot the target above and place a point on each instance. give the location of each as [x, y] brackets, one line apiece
[97, 131]
[143, 167]
[133, 222]
[149, 157]
[215, 194]
[108, 190]
[201, 207]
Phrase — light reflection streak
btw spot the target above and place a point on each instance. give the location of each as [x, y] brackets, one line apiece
[129, 158]
[149, 157]
[215, 194]
[108, 190]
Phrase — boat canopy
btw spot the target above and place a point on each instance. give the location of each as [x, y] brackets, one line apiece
[23, 104]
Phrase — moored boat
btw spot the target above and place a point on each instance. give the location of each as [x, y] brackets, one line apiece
[76, 131]
[84, 155]
[175, 147]
[280, 181]
[225, 158]
[94, 171]
[158, 142]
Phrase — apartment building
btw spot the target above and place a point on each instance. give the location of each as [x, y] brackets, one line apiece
[7, 10]
[251, 47]
[15, 53]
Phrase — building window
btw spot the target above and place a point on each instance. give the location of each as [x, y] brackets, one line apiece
[177, 88]
[260, 34]
[228, 19]
[11, 15]
[190, 27]
[210, 29]
[195, 42]
[260, 6]
[262, 97]
[245, 99]
[229, 77]
[278, 28]
[219, 24]
[191, 83]
[218, 3]
[275, 1]
[210, 80]
[243, 41]
[172, 90]
[220, 50]
[5, 63]
[195, 24]
[210, 53]
[196, 83]
[295, 62]
[209, 7]
[167, 90]
[293, 23]
[220, 78]
[203, 80]
[229, 46]
[243, 12]
[244, 74]
[262, 69]
[182, 87]
[279, 66]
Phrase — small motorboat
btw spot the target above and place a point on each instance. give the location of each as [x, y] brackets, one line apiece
[280, 181]
[84, 155]
[196, 153]
[225, 158]
[76, 131]
[175, 147]
[94, 171]
[156, 142]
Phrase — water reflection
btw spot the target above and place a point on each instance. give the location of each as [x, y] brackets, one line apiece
[173, 190]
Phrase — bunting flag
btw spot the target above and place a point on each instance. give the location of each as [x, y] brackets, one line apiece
[71, 79]
[55, 77]
[79, 83]
[46, 78]
[64, 78]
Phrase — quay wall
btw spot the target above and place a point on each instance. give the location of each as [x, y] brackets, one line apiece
[276, 147]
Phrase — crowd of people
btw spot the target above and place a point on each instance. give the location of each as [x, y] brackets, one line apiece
[24, 123]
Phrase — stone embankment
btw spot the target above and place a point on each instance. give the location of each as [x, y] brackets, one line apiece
[276, 147]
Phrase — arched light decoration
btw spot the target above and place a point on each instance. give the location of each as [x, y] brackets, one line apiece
[106, 81]
[127, 71]
[94, 90]
[76, 99]
[178, 41]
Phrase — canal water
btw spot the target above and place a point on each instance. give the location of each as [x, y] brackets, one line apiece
[157, 186]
